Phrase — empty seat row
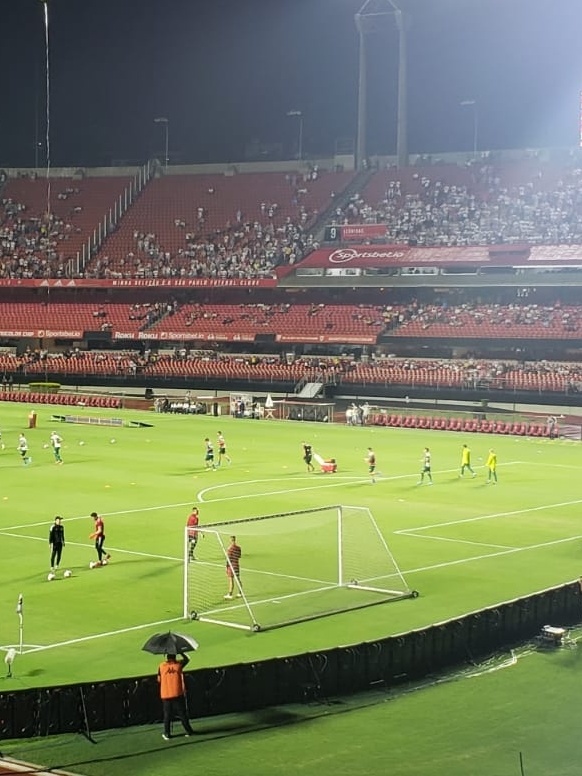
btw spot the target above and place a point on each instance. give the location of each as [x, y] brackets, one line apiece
[472, 425]
[69, 400]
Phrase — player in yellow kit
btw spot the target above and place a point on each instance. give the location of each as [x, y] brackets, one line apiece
[492, 467]
[466, 461]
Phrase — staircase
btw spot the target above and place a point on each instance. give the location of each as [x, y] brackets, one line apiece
[313, 386]
[310, 391]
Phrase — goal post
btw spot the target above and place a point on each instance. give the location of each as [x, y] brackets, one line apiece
[294, 567]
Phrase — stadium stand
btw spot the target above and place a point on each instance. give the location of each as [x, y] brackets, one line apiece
[240, 227]
[343, 322]
[37, 244]
[519, 320]
[217, 226]
[466, 375]
[479, 204]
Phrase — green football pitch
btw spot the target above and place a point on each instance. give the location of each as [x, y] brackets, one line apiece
[463, 544]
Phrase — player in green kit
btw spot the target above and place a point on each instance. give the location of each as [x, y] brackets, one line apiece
[56, 443]
[370, 459]
[425, 467]
[209, 455]
[23, 450]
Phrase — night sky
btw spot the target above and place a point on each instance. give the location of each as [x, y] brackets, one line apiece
[225, 74]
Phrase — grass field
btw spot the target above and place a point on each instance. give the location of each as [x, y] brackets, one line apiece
[478, 726]
[461, 543]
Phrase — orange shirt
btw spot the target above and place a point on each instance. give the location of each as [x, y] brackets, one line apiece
[171, 679]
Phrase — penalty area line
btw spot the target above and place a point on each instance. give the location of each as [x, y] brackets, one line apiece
[103, 514]
[116, 550]
[512, 513]
[512, 551]
[465, 541]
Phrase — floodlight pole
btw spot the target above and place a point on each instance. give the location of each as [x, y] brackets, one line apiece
[402, 115]
[163, 120]
[299, 115]
[369, 19]
[361, 131]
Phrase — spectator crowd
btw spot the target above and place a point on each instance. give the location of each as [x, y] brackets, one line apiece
[428, 210]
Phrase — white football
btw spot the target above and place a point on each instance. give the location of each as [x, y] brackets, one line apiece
[45, 446]
[68, 573]
[113, 441]
[103, 562]
[51, 576]
[81, 443]
[91, 565]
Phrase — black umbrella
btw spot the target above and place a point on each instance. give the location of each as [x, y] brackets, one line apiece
[170, 644]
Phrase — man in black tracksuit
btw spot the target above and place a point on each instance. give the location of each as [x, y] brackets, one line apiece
[308, 456]
[56, 542]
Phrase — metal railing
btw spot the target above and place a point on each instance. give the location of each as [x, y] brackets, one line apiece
[110, 220]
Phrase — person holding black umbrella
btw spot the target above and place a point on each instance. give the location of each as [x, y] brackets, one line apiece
[173, 693]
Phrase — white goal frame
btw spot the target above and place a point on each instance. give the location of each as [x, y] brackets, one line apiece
[216, 534]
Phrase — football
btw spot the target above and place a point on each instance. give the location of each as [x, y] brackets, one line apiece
[91, 565]
[81, 443]
[113, 441]
[103, 562]
[51, 576]
[68, 573]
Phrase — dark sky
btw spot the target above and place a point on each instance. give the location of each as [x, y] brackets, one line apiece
[225, 73]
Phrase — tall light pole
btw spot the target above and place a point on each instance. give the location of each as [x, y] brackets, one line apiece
[473, 104]
[163, 120]
[362, 128]
[402, 117]
[372, 18]
[299, 115]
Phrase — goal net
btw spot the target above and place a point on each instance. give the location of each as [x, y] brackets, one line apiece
[293, 567]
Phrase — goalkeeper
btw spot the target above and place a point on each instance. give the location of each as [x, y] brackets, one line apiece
[328, 465]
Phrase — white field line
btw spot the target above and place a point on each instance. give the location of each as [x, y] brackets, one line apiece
[202, 493]
[273, 599]
[92, 546]
[512, 513]
[449, 563]
[247, 571]
[446, 564]
[153, 556]
[103, 514]
[118, 632]
[554, 465]
[464, 541]
[422, 569]
[182, 504]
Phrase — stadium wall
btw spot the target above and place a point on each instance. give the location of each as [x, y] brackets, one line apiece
[349, 391]
[309, 677]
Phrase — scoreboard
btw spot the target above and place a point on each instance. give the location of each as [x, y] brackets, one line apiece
[355, 232]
